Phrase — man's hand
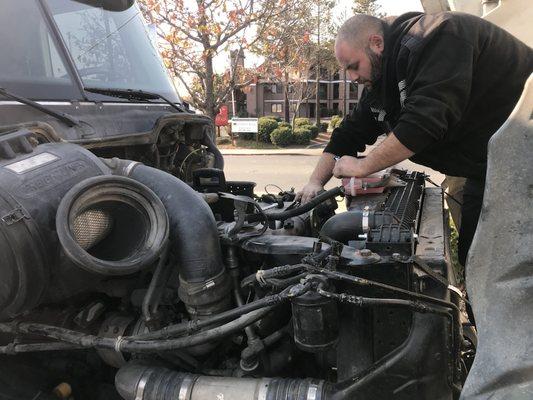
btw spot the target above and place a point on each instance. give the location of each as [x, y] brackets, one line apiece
[309, 191]
[348, 166]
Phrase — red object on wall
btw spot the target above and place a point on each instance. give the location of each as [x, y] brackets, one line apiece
[221, 119]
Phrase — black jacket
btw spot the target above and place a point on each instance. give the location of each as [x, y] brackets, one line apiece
[449, 81]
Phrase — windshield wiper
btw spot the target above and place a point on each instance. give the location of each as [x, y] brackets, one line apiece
[132, 94]
[67, 119]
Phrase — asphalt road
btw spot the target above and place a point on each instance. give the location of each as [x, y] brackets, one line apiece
[288, 171]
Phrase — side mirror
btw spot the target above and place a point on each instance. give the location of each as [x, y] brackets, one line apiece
[109, 5]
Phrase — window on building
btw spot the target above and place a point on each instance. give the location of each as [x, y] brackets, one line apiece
[354, 91]
[323, 91]
[351, 106]
[336, 91]
[335, 108]
[276, 107]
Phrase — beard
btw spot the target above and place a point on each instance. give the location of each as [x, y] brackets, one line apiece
[375, 64]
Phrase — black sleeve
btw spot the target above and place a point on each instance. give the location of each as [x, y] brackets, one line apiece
[438, 82]
[354, 132]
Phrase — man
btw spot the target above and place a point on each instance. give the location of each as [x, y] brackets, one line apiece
[439, 85]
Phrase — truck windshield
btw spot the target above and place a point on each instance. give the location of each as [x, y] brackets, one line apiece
[109, 49]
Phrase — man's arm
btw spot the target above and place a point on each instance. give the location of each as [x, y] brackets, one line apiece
[390, 152]
[320, 176]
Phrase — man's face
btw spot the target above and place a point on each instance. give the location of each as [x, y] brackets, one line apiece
[363, 65]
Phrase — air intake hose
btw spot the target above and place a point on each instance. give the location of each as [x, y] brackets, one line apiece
[347, 225]
[139, 382]
[204, 283]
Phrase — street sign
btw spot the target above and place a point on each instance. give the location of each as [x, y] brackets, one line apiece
[241, 125]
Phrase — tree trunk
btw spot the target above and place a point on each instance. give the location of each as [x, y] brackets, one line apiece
[317, 108]
[286, 105]
[209, 88]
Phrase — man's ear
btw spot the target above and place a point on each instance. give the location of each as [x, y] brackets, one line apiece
[376, 43]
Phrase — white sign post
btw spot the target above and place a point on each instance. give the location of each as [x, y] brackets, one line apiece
[244, 125]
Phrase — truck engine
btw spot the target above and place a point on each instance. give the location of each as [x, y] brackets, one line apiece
[121, 281]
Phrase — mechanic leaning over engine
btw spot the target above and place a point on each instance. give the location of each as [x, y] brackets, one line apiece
[440, 85]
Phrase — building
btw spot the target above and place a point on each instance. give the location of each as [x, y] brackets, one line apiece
[337, 96]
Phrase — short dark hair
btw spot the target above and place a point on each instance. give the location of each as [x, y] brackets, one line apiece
[358, 28]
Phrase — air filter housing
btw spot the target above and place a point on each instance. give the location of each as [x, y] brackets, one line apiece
[119, 227]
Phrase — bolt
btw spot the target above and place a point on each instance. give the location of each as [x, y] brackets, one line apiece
[396, 256]
[365, 252]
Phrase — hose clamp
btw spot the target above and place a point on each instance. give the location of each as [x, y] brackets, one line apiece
[118, 344]
[312, 392]
[364, 221]
[139, 393]
[186, 387]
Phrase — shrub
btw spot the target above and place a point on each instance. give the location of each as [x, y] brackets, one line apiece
[265, 127]
[313, 131]
[302, 135]
[301, 122]
[223, 140]
[323, 127]
[335, 121]
[281, 136]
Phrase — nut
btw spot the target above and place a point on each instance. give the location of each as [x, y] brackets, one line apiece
[365, 252]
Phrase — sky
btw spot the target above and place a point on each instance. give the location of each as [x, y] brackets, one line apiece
[396, 7]
[342, 11]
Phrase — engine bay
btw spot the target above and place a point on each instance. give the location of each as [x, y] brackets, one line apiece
[121, 281]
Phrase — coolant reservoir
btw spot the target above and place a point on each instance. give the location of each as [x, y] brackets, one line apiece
[372, 184]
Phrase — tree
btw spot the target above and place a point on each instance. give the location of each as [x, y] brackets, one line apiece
[370, 7]
[193, 34]
[287, 48]
[293, 49]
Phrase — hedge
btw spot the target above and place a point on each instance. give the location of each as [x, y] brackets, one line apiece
[265, 127]
[335, 121]
[302, 135]
[301, 122]
[281, 136]
[314, 131]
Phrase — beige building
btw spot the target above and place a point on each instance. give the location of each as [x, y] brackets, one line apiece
[337, 96]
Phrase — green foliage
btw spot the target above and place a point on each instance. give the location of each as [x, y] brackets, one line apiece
[301, 122]
[323, 127]
[281, 136]
[335, 121]
[314, 131]
[370, 7]
[302, 135]
[223, 140]
[265, 127]
[285, 125]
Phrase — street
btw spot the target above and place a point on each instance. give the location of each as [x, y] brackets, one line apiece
[288, 171]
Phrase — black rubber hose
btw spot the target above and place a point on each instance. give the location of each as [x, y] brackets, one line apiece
[193, 229]
[283, 215]
[132, 345]
[192, 326]
[346, 226]
[136, 346]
